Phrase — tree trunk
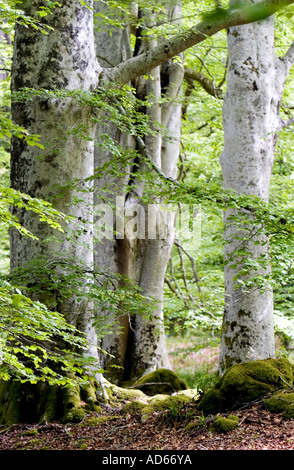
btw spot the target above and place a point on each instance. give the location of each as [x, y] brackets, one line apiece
[251, 120]
[64, 59]
[139, 345]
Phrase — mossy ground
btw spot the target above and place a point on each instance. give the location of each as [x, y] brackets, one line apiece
[241, 384]
[225, 424]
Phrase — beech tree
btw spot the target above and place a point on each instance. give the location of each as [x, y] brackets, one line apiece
[142, 251]
[62, 67]
[251, 122]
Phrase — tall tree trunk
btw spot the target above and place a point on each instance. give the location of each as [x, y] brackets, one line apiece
[63, 59]
[251, 120]
[109, 256]
[139, 346]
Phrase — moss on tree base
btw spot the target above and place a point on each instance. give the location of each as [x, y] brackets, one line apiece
[27, 403]
[244, 383]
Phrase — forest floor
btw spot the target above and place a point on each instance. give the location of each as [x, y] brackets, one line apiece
[258, 429]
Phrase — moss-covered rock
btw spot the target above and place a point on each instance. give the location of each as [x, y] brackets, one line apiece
[161, 381]
[289, 411]
[281, 402]
[245, 382]
[225, 424]
[120, 393]
[171, 403]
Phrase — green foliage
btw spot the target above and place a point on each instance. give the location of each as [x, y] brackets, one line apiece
[11, 12]
[61, 278]
[29, 338]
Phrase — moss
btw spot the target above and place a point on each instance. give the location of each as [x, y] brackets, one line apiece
[245, 382]
[170, 402]
[33, 443]
[26, 403]
[197, 423]
[75, 415]
[146, 411]
[73, 411]
[125, 393]
[159, 402]
[281, 402]
[289, 412]
[80, 444]
[30, 432]
[88, 395]
[225, 424]
[161, 381]
[133, 407]
[93, 421]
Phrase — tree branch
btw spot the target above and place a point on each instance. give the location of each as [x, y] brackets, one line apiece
[207, 84]
[289, 56]
[288, 122]
[193, 264]
[219, 20]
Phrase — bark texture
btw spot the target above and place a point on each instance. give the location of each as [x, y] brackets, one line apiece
[251, 121]
[63, 59]
[140, 346]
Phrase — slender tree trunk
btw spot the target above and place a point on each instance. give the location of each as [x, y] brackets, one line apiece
[109, 254]
[251, 120]
[139, 345]
[149, 338]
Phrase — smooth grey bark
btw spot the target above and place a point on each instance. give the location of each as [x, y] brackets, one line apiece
[109, 254]
[64, 59]
[140, 346]
[251, 121]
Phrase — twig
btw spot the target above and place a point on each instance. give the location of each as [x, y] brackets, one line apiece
[193, 264]
[184, 272]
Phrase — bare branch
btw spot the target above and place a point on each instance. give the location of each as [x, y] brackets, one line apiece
[184, 272]
[193, 264]
[207, 84]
